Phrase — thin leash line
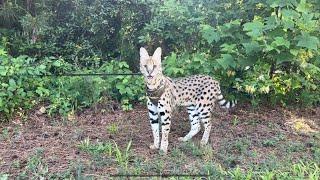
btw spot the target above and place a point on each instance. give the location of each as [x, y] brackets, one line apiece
[95, 74]
[81, 74]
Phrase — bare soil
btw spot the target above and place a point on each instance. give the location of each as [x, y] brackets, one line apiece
[59, 138]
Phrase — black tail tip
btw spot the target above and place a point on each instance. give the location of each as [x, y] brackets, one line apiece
[229, 104]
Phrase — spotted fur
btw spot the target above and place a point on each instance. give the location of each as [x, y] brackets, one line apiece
[198, 93]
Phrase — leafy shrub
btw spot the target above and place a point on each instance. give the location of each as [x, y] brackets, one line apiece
[267, 50]
[84, 33]
[123, 87]
[274, 56]
[23, 85]
[74, 93]
[20, 84]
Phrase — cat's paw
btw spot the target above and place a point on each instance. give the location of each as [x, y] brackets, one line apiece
[182, 139]
[153, 147]
[203, 143]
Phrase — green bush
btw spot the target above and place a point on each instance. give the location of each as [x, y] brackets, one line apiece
[73, 93]
[124, 88]
[24, 85]
[21, 86]
[266, 50]
[274, 56]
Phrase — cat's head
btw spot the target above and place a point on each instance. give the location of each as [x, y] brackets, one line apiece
[150, 66]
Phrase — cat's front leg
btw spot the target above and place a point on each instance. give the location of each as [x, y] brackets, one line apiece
[154, 121]
[165, 116]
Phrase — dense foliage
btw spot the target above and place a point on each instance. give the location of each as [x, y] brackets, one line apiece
[266, 51]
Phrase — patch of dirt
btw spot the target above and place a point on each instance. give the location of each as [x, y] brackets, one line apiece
[59, 139]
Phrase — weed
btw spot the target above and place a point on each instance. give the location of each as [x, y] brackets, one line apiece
[5, 133]
[241, 145]
[36, 167]
[237, 173]
[253, 122]
[212, 170]
[190, 147]
[270, 142]
[302, 170]
[158, 164]
[97, 148]
[112, 128]
[253, 153]
[75, 171]
[294, 146]
[207, 153]
[85, 144]
[110, 149]
[122, 157]
[271, 162]
[316, 154]
[138, 164]
[3, 176]
[268, 175]
[235, 121]
[177, 161]
[16, 164]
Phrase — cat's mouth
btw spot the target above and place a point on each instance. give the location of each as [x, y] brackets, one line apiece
[150, 77]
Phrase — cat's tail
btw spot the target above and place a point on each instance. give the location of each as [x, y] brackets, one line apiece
[224, 103]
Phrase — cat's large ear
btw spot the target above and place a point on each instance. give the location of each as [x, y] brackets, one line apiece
[143, 54]
[157, 55]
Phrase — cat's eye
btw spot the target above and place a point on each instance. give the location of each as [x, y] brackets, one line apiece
[154, 67]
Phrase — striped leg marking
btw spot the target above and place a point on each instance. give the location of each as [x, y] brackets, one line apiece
[154, 121]
[165, 129]
[205, 118]
[195, 124]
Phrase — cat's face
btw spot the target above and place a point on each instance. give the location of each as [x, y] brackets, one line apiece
[150, 66]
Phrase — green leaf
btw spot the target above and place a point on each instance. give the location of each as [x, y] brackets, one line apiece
[283, 57]
[1, 103]
[226, 61]
[3, 52]
[248, 61]
[228, 48]
[290, 14]
[42, 67]
[252, 46]
[209, 34]
[120, 86]
[307, 41]
[3, 71]
[254, 28]
[269, 48]
[281, 3]
[12, 83]
[307, 23]
[303, 6]
[294, 52]
[280, 41]
[271, 22]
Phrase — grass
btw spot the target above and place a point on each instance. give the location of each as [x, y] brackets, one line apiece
[270, 142]
[4, 176]
[96, 148]
[112, 128]
[101, 150]
[4, 134]
[122, 157]
[242, 149]
[176, 161]
[35, 167]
